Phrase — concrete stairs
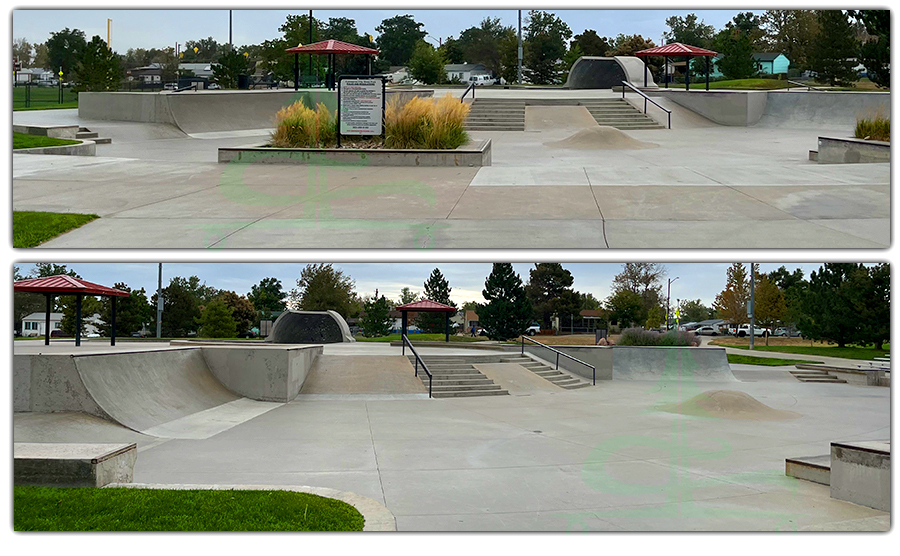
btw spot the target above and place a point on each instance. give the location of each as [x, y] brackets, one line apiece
[456, 376]
[496, 114]
[811, 375]
[810, 468]
[559, 378]
[618, 113]
[85, 133]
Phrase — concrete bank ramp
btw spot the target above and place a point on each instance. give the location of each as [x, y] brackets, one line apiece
[367, 374]
[146, 390]
[540, 118]
[671, 364]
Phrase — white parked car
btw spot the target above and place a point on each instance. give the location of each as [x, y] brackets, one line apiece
[535, 328]
[706, 331]
[744, 330]
[482, 80]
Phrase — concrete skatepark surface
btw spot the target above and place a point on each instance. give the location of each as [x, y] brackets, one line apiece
[600, 458]
[346, 374]
[154, 185]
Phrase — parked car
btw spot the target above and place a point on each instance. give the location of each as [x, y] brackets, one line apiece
[138, 335]
[744, 330]
[782, 331]
[482, 80]
[707, 331]
[171, 86]
[213, 86]
[535, 328]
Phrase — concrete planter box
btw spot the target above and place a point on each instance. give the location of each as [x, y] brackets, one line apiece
[85, 148]
[848, 150]
[56, 131]
[474, 154]
[73, 465]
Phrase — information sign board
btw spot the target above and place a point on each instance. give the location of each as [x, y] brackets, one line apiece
[361, 108]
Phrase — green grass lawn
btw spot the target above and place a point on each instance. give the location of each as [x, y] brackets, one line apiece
[764, 361]
[44, 98]
[849, 352]
[30, 229]
[754, 84]
[422, 338]
[132, 509]
[25, 141]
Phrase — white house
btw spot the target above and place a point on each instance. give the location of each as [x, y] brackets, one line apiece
[462, 72]
[199, 70]
[33, 75]
[33, 324]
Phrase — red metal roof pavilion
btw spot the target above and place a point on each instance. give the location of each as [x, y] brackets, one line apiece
[52, 286]
[678, 49]
[330, 47]
[425, 306]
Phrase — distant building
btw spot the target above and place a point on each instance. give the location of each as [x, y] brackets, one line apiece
[199, 70]
[146, 74]
[33, 324]
[462, 72]
[472, 322]
[767, 63]
[33, 75]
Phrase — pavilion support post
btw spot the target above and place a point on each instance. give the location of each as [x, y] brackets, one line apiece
[296, 71]
[687, 74]
[112, 333]
[666, 76]
[447, 329]
[47, 319]
[707, 73]
[78, 299]
[403, 320]
[369, 63]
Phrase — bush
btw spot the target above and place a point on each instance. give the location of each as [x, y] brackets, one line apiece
[641, 337]
[298, 126]
[877, 128]
[426, 123]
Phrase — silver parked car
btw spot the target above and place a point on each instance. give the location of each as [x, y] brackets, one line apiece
[706, 331]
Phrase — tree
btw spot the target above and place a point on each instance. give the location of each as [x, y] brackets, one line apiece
[182, 299]
[590, 43]
[321, 287]
[267, 296]
[875, 313]
[242, 311]
[482, 44]
[625, 308]
[655, 317]
[216, 321]
[769, 307]
[751, 25]
[793, 286]
[569, 60]
[452, 51]
[98, 69]
[22, 51]
[790, 32]
[589, 302]
[645, 280]
[230, 65]
[546, 36]
[875, 53]
[64, 49]
[407, 296]
[41, 56]
[132, 312]
[833, 303]
[509, 58]
[24, 303]
[627, 45]
[833, 49]
[398, 37]
[689, 30]
[547, 283]
[89, 307]
[208, 50]
[737, 55]
[376, 320]
[427, 65]
[731, 303]
[694, 311]
[436, 289]
[507, 312]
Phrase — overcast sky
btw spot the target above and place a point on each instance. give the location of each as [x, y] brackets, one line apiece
[695, 280]
[161, 28]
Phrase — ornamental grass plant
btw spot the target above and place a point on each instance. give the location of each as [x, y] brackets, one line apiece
[424, 123]
[876, 128]
[298, 126]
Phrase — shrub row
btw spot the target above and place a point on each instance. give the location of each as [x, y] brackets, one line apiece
[641, 337]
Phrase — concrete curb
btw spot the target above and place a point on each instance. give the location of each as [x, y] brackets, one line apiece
[378, 517]
[85, 148]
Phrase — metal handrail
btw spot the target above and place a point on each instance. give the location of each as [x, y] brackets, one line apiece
[808, 86]
[566, 355]
[471, 87]
[646, 98]
[418, 360]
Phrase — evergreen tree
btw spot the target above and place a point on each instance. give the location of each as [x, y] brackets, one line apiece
[546, 37]
[98, 68]
[436, 289]
[407, 296]
[875, 312]
[834, 49]
[507, 312]
[590, 43]
[132, 312]
[242, 311]
[267, 296]
[833, 303]
[875, 53]
[230, 65]
[737, 55]
[547, 286]
[64, 49]
[376, 320]
[89, 307]
[216, 321]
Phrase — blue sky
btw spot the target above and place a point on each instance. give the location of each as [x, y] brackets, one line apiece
[161, 28]
[695, 280]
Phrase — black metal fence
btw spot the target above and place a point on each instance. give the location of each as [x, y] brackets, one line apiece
[31, 96]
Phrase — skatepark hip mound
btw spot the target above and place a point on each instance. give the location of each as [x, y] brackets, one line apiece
[729, 404]
[601, 138]
[310, 327]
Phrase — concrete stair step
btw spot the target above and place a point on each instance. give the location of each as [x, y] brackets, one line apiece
[564, 383]
[816, 469]
[495, 128]
[825, 380]
[86, 135]
[466, 387]
[463, 381]
[577, 386]
[549, 374]
[103, 140]
[470, 393]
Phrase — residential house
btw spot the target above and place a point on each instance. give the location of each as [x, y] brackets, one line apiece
[462, 72]
[767, 63]
[397, 74]
[33, 324]
[34, 75]
[199, 70]
[146, 74]
[471, 322]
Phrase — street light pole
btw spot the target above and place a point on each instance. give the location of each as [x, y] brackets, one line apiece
[159, 304]
[750, 308]
[520, 48]
[668, 296]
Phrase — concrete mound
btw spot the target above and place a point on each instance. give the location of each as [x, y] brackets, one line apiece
[729, 404]
[601, 138]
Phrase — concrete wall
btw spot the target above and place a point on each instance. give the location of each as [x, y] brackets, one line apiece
[262, 372]
[821, 109]
[861, 473]
[84, 148]
[600, 357]
[671, 363]
[732, 108]
[50, 383]
[840, 150]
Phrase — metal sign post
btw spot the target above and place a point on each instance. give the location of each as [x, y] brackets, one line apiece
[360, 105]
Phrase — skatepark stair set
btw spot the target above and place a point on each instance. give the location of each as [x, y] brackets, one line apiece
[499, 114]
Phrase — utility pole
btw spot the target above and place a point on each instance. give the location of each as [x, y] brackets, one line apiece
[310, 40]
[109, 34]
[159, 304]
[750, 307]
[230, 45]
[668, 295]
[520, 51]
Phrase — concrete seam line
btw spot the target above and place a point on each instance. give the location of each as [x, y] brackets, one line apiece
[377, 516]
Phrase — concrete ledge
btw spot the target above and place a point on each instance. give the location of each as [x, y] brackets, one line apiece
[816, 469]
[848, 150]
[85, 148]
[73, 465]
[377, 516]
[858, 376]
[474, 154]
[732, 108]
[56, 131]
[861, 473]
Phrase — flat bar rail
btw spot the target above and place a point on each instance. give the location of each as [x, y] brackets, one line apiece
[808, 87]
[406, 342]
[646, 98]
[566, 355]
[471, 87]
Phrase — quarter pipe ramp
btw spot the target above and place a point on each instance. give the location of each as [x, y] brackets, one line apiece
[600, 72]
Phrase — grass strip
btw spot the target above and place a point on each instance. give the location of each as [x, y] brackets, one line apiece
[849, 352]
[422, 338]
[765, 361]
[134, 509]
[25, 141]
[31, 229]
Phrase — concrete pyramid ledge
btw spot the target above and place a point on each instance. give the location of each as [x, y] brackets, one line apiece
[377, 516]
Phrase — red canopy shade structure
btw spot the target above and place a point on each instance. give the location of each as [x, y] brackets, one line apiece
[678, 49]
[62, 284]
[425, 306]
[329, 47]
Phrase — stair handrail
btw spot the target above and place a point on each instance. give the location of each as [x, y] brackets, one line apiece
[471, 87]
[807, 85]
[646, 98]
[405, 343]
[566, 355]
